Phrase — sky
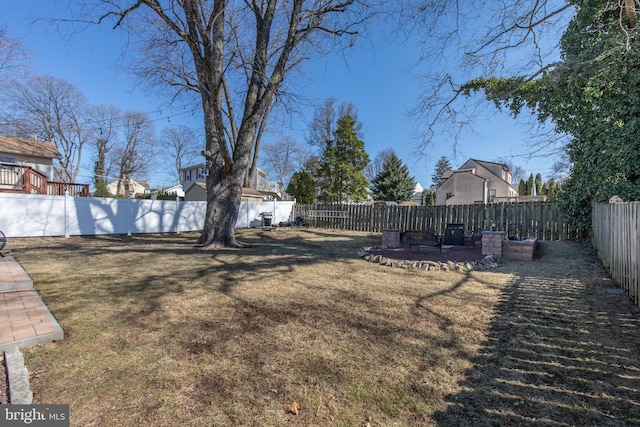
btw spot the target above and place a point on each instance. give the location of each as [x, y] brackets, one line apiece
[380, 80]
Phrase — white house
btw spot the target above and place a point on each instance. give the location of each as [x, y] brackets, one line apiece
[134, 188]
[177, 189]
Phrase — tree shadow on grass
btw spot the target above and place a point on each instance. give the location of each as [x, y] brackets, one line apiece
[268, 256]
[561, 351]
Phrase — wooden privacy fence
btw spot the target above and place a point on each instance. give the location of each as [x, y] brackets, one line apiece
[616, 238]
[535, 219]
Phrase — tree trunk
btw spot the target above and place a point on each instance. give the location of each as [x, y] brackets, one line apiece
[223, 204]
[225, 179]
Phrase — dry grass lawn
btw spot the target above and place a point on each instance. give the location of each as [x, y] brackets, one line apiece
[160, 333]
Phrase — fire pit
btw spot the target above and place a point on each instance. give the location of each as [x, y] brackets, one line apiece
[450, 253]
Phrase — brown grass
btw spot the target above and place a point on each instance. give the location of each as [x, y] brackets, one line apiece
[161, 333]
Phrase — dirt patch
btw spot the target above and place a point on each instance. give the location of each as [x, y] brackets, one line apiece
[455, 254]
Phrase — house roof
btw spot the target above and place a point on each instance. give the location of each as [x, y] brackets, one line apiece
[483, 162]
[172, 187]
[199, 165]
[246, 191]
[469, 171]
[486, 164]
[143, 184]
[28, 147]
[196, 184]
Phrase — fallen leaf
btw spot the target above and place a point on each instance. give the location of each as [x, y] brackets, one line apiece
[294, 408]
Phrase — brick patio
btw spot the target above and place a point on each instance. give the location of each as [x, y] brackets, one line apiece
[25, 320]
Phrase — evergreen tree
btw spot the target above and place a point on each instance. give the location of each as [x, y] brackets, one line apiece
[538, 184]
[393, 183]
[552, 190]
[428, 198]
[522, 187]
[530, 184]
[99, 180]
[442, 165]
[341, 178]
[302, 187]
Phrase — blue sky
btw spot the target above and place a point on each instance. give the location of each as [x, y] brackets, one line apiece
[380, 80]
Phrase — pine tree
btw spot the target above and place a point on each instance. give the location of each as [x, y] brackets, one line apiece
[530, 184]
[341, 178]
[522, 188]
[428, 198]
[538, 184]
[552, 190]
[442, 165]
[393, 183]
[302, 187]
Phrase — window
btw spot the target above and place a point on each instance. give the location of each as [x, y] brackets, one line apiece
[492, 195]
[449, 195]
[7, 159]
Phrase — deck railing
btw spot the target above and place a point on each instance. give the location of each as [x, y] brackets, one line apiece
[26, 180]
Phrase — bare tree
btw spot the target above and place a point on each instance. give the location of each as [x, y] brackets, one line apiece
[51, 109]
[325, 118]
[235, 56]
[136, 152]
[181, 144]
[374, 167]
[490, 39]
[12, 53]
[517, 171]
[282, 158]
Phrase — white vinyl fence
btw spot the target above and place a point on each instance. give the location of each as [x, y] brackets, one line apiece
[23, 215]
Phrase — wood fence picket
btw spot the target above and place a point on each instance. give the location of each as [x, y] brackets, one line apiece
[616, 238]
[537, 219]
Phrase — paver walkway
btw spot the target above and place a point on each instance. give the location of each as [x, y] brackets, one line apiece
[25, 320]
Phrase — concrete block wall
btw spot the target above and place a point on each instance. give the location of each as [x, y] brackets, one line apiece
[492, 243]
[522, 250]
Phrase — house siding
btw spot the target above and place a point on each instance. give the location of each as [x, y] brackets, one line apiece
[474, 182]
[43, 166]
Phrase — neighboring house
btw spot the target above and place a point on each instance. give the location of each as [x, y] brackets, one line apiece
[38, 155]
[134, 188]
[197, 174]
[476, 181]
[193, 174]
[174, 189]
[198, 193]
[27, 166]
